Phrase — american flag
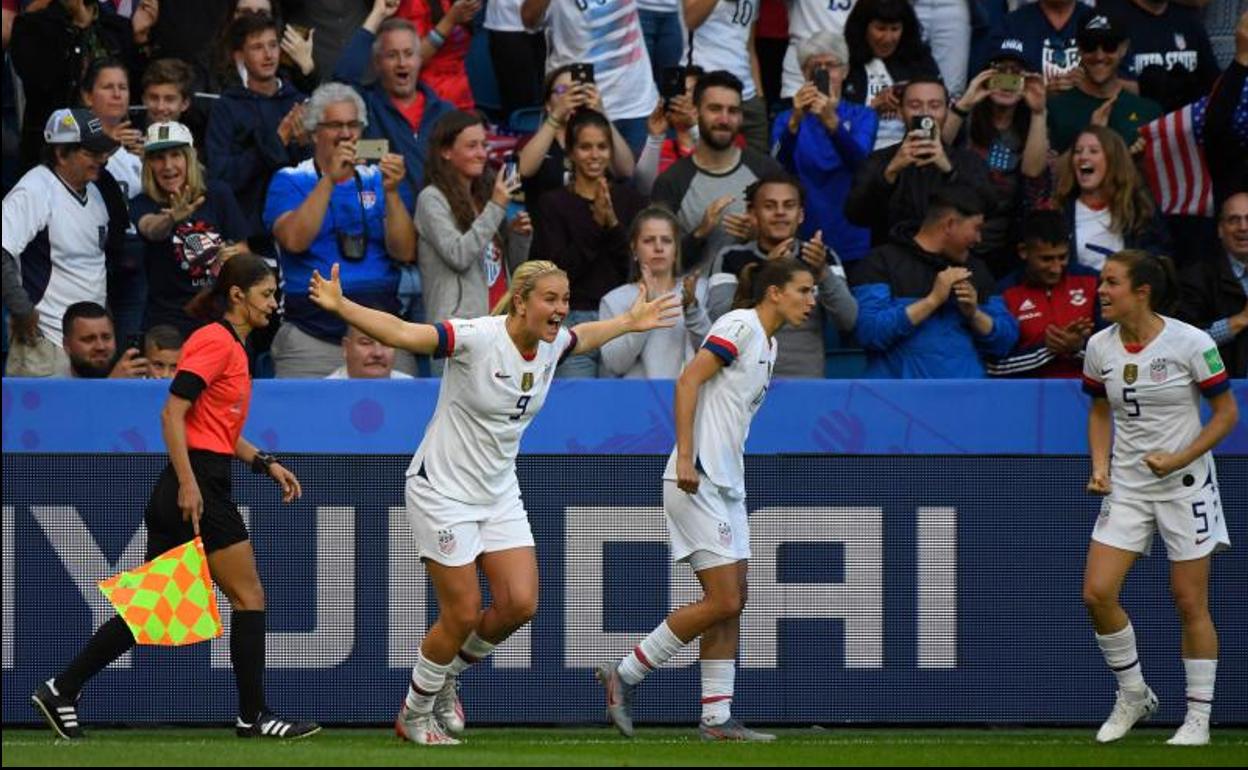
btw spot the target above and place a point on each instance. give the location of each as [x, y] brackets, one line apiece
[1174, 161]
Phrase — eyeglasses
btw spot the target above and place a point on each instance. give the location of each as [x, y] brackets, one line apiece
[338, 126]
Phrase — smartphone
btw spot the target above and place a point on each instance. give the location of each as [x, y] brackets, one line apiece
[925, 123]
[820, 79]
[672, 83]
[134, 341]
[371, 150]
[1010, 82]
[583, 72]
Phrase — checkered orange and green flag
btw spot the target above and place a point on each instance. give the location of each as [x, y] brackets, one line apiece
[169, 600]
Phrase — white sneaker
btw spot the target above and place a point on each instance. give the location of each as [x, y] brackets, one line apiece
[421, 728]
[447, 706]
[1127, 711]
[1193, 732]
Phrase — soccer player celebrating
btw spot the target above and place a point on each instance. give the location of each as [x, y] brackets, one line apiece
[704, 493]
[463, 499]
[202, 424]
[1145, 374]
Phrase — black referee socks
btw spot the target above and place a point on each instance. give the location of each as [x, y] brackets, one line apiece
[247, 657]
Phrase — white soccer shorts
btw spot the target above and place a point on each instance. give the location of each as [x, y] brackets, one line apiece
[1191, 528]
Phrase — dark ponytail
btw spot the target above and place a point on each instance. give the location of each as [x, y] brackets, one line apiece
[243, 271]
[757, 277]
[1155, 271]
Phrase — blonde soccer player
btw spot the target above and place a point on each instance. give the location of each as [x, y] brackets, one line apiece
[463, 498]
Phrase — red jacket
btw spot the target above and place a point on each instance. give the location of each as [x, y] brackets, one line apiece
[444, 72]
[1036, 308]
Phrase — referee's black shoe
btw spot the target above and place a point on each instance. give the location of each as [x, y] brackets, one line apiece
[269, 725]
[60, 712]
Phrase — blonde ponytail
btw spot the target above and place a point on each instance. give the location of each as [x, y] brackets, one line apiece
[523, 280]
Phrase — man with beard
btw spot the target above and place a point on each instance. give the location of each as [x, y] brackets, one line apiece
[927, 308]
[707, 189]
[90, 343]
[1100, 96]
[56, 230]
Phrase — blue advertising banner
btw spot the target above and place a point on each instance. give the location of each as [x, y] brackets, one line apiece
[602, 417]
[883, 589]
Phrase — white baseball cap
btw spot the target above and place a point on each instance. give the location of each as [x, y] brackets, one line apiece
[166, 136]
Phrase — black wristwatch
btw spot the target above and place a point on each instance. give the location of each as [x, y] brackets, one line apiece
[261, 462]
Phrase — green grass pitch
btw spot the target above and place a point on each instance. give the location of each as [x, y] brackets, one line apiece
[557, 746]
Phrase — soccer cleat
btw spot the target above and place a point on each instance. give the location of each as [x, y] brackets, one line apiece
[619, 698]
[421, 728]
[1193, 732]
[61, 713]
[732, 730]
[269, 725]
[1127, 711]
[448, 708]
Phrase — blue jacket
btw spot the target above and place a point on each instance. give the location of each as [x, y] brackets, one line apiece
[897, 274]
[825, 164]
[243, 148]
[384, 119]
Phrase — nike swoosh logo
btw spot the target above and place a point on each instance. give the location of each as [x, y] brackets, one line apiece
[502, 376]
[1202, 540]
[1104, 372]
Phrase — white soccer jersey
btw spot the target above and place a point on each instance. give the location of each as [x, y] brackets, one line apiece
[806, 17]
[489, 394]
[728, 401]
[57, 238]
[1154, 396]
[722, 42]
[607, 34]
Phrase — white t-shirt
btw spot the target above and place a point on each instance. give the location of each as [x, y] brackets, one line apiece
[890, 130]
[504, 16]
[1095, 238]
[57, 238]
[489, 394]
[722, 42]
[729, 400]
[1154, 396]
[341, 374]
[607, 34]
[806, 17]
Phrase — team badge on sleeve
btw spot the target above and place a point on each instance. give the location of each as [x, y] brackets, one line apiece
[1213, 359]
[1129, 373]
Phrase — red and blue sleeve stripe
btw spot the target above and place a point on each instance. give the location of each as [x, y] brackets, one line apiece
[568, 350]
[446, 340]
[1094, 388]
[725, 350]
[1218, 383]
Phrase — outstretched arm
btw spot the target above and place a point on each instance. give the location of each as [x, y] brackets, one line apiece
[385, 328]
[642, 316]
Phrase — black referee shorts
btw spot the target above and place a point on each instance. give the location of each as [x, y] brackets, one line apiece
[221, 525]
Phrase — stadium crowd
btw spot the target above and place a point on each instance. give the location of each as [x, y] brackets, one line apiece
[954, 173]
